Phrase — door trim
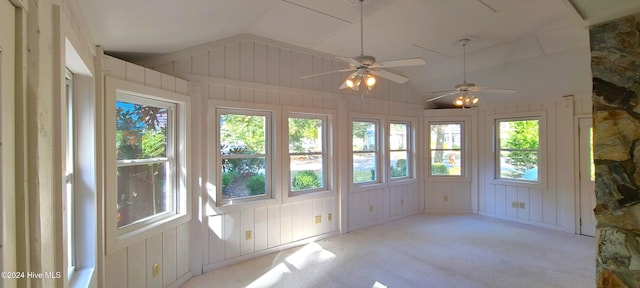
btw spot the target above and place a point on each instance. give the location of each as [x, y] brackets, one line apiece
[578, 186]
[576, 169]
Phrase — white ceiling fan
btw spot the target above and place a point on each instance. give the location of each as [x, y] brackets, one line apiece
[364, 67]
[466, 89]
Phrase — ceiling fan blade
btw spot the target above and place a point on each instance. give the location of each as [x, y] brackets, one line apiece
[500, 90]
[401, 63]
[443, 91]
[351, 61]
[443, 95]
[389, 75]
[325, 73]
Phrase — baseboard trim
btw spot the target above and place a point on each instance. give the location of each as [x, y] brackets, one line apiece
[449, 211]
[386, 220]
[178, 283]
[227, 262]
[528, 222]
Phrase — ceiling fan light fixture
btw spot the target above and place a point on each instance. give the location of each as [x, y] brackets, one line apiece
[370, 82]
[466, 100]
[353, 82]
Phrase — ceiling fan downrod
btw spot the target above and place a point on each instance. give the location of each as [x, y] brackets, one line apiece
[361, 28]
[464, 42]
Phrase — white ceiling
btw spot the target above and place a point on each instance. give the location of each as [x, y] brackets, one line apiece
[538, 47]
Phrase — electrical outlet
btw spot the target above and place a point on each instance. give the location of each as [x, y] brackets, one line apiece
[446, 198]
[318, 219]
[329, 217]
[247, 235]
[155, 269]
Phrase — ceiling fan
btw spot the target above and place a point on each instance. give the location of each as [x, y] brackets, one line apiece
[364, 67]
[466, 89]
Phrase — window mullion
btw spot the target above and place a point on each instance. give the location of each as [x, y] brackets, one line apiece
[136, 162]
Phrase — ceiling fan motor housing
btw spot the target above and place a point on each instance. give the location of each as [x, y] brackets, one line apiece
[465, 86]
[366, 60]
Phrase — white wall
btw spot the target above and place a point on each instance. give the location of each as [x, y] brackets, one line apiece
[40, 31]
[248, 70]
[132, 266]
[454, 194]
[550, 204]
[7, 143]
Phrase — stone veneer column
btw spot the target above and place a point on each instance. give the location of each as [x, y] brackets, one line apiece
[615, 65]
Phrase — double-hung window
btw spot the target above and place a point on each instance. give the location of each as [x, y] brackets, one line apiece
[245, 155]
[400, 150]
[446, 148]
[146, 163]
[307, 152]
[366, 151]
[147, 139]
[518, 145]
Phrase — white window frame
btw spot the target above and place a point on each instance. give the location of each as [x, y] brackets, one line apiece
[118, 238]
[326, 153]
[268, 156]
[169, 159]
[84, 132]
[272, 139]
[463, 146]
[70, 214]
[380, 153]
[542, 167]
[410, 150]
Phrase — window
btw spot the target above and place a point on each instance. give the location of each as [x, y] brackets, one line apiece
[518, 152]
[69, 175]
[365, 151]
[146, 166]
[592, 164]
[79, 164]
[307, 153]
[399, 150]
[245, 154]
[446, 149]
[145, 158]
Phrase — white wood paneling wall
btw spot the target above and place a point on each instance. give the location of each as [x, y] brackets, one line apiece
[251, 70]
[272, 228]
[550, 205]
[131, 267]
[583, 105]
[250, 58]
[453, 194]
[371, 207]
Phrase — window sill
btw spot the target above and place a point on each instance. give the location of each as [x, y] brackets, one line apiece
[367, 186]
[528, 184]
[122, 239]
[401, 182]
[82, 278]
[448, 179]
[227, 208]
[293, 196]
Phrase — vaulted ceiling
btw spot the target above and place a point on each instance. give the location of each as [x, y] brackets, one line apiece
[538, 47]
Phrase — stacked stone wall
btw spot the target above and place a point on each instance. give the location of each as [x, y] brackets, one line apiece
[615, 65]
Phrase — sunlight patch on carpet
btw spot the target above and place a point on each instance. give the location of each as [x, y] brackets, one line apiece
[309, 256]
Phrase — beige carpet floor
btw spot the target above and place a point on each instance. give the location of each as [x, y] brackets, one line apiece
[426, 250]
